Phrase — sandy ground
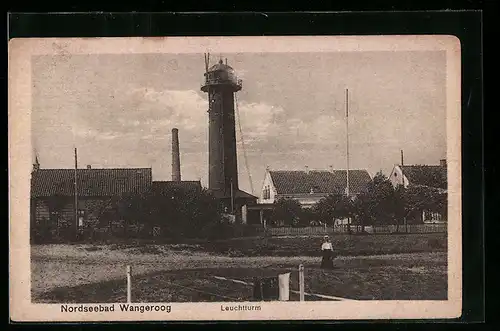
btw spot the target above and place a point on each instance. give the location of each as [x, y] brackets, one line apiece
[56, 266]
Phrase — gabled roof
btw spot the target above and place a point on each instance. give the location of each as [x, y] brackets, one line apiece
[328, 182]
[90, 182]
[170, 186]
[427, 175]
[238, 194]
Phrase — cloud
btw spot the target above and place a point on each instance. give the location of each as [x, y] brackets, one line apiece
[149, 115]
[318, 129]
[86, 133]
[241, 73]
[160, 111]
[184, 109]
[259, 120]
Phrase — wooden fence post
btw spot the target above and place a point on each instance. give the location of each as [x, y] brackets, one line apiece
[129, 284]
[284, 287]
[301, 282]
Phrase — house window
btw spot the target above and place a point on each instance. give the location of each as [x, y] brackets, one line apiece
[267, 193]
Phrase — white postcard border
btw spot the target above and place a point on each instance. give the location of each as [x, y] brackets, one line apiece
[20, 53]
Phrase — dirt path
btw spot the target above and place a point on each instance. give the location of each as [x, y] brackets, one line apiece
[68, 265]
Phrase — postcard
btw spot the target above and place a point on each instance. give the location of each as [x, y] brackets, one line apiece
[235, 178]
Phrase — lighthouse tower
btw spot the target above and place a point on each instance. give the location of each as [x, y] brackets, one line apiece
[221, 83]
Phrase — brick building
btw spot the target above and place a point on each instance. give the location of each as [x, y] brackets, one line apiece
[98, 190]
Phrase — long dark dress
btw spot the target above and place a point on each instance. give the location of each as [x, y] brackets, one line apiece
[327, 259]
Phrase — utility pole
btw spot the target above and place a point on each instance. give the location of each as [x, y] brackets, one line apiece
[347, 152]
[76, 195]
[232, 198]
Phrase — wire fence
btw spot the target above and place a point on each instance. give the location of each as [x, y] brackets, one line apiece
[284, 288]
[205, 292]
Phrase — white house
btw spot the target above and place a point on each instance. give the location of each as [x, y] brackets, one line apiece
[432, 176]
[310, 186]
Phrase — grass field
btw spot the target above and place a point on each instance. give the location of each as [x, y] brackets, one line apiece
[381, 267]
[344, 245]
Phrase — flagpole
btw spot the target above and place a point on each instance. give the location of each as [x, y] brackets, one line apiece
[403, 176]
[347, 153]
[402, 171]
[76, 194]
[347, 138]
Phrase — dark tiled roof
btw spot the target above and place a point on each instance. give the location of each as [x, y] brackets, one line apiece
[170, 186]
[238, 194]
[91, 182]
[329, 182]
[427, 175]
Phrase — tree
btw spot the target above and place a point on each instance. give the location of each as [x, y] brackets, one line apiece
[134, 208]
[197, 209]
[440, 204]
[333, 207]
[184, 213]
[286, 211]
[415, 198]
[376, 205]
[363, 206]
[307, 216]
[400, 207]
[381, 192]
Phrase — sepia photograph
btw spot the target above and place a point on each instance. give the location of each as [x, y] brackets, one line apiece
[235, 178]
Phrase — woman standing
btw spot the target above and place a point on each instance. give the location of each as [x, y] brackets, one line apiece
[327, 253]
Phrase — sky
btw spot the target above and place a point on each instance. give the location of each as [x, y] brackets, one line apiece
[119, 110]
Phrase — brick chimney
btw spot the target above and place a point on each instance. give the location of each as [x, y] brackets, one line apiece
[307, 170]
[442, 162]
[176, 162]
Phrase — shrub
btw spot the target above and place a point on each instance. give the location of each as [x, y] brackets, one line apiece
[179, 212]
[286, 212]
